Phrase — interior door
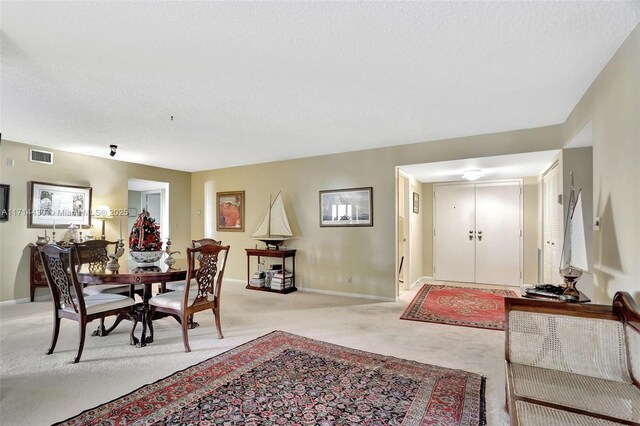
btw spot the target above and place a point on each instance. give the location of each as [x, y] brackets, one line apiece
[152, 201]
[498, 233]
[454, 226]
[552, 226]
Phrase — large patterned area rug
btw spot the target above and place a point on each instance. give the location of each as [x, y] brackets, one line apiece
[469, 307]
[285, 379]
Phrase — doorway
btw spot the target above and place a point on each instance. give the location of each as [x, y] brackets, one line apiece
[552, 225]
[478, 232]
[403, 233]
[152, 196]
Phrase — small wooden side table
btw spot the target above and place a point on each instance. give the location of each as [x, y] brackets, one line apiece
[36, 271]
[281, 254]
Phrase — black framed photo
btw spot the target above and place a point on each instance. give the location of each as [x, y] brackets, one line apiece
[4, 203]
[416, 202]
[50, 204]
[346, 207]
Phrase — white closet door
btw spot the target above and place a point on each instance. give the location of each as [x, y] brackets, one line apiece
[454, 223]
[498, 225]
[552, 226]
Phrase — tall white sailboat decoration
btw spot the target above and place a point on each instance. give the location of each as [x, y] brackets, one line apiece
[574, 252]
[274, 227]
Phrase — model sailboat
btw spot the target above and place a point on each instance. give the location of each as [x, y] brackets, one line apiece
[574, 252]
[274, 227]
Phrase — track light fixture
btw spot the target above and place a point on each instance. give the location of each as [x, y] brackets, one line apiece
[113, 150]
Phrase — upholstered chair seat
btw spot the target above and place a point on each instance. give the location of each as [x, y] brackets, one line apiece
[201, 289]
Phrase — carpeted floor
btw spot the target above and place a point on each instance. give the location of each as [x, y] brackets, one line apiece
[281, 378]
[38, 389]
[454, 305]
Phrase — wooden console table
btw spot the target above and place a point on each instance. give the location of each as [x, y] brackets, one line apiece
[281, 254]
[36, 271]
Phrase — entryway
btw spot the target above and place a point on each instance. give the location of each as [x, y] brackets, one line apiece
[478, 232]
[152, 196]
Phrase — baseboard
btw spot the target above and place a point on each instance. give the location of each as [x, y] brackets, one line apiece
[344, 294]
[25, 300]
[327, 292]
[418, 283]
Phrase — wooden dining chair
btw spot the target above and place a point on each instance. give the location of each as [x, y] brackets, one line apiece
[205, 242]
[202, 288]
[95, 254]
[179, 285]
[68, 299]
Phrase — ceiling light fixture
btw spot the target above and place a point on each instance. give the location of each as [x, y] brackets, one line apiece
[113, 150]
[472, 174]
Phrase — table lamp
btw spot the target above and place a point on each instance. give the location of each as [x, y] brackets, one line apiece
[103, 212]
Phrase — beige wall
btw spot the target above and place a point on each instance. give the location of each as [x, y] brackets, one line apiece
[416, 231]
[107, 177]
[612, 104]
[580, 162]
[328, 257]
[427, 230]
[531, 241]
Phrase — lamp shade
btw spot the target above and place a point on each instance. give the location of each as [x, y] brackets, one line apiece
[103, 212]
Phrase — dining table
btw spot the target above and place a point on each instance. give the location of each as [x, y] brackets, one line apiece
[134, 274]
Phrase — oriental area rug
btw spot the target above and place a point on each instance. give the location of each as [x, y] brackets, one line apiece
[468, 307]
[283, 379]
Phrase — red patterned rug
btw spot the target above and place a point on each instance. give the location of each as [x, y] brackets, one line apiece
[285, 379]
[468, 307]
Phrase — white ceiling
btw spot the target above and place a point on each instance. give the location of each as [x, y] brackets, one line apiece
[493, 168]
[253, 82]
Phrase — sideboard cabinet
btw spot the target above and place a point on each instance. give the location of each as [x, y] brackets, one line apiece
[36, 271]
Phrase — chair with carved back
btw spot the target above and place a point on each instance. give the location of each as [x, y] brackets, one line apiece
[179, 285]
[202, 288]
[69, 302]
[95, 254]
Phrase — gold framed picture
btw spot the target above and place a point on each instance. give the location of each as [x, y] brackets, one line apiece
[230, 211]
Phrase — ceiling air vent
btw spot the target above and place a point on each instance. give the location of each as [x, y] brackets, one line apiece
[38, 156]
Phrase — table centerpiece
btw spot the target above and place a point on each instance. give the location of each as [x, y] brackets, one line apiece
[144, 240]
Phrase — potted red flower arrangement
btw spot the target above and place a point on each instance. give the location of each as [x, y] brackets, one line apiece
[144, 241]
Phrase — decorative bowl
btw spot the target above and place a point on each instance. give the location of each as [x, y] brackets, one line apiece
[146, 256]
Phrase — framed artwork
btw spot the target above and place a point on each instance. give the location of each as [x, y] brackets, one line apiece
[4, 203]
[346, 207]
[50, 205]
[230, 211]
[416, 202]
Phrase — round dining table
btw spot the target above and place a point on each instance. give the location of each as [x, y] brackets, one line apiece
[133, 274]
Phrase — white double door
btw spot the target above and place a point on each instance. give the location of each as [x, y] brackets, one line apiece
[478, 232]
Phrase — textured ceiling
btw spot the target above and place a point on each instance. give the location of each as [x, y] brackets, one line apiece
[253, 82]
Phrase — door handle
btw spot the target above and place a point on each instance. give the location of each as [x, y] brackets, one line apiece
[470, 235]
[479, 235]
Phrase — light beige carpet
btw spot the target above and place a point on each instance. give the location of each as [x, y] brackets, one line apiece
[39, 389]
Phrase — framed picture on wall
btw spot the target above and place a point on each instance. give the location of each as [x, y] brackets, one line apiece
[4, 203]
[416, 202]
[230, 211]
[346, 207]
[51, 205]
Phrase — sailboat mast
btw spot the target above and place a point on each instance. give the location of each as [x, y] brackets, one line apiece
[269, 221]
